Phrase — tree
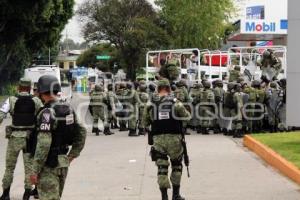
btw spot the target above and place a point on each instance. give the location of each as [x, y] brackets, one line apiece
[26, 28]
[200, 23]
[88, 58]
[130, 25]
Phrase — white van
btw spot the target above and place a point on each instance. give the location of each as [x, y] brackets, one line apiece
[34, 73]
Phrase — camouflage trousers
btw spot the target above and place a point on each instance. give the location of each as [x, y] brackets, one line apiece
[99, 114]
[15, 146]
[51, 183]
[170, 146]
[132, 122]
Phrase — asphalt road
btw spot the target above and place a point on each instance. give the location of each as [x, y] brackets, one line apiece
[118, 168]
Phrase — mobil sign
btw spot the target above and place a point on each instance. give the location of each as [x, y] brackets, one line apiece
[260, 27]
[264, 27]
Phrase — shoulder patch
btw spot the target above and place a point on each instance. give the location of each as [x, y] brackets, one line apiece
[45, 121]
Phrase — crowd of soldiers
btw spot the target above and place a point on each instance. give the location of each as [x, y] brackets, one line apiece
[233, 108]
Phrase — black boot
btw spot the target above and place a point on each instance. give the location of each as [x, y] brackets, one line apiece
[176, 193]
[26, 195]
[132, 133]
[164, 193]
[142, 131]
[97, 131]
[94, 130]
[5, 195]
[186, 132]
[123, 128]
[198, 129]
[106, 131]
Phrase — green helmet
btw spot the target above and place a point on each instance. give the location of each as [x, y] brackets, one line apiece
[143, 87]
[25, 82]
[181, 83]
[206, 84]
[163, 83]
[237, 68]
[230, 86]
[273, 85]
[98, 88]
[266, 54]
[48, 84]
[240, 80]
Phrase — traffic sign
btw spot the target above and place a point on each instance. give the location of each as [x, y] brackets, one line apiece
[103, 57]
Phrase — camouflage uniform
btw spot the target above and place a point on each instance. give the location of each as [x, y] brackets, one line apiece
[99, 110]
[270, 66]
[132, 100]
[122, 94]
[239, 103]
[182, 95]
[219, 94]
[273, 100]
[229, 109]
[143, 99]
[206, 97]
[234, 74]
[17, 138]
[52, 175]
[194, 96]
[166, 143]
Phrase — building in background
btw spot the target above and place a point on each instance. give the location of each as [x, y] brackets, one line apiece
[66, 60]
[264, 21]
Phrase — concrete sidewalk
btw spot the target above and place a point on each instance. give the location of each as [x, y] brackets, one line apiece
[118, 168]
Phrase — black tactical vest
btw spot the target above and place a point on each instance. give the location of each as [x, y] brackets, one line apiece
[164, 119]
[62, 134]
[228, 100]
[24, 112]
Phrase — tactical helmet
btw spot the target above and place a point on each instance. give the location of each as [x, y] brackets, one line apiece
[266, 54]
[181, 83]
[230, 86]
[255, 84]
[237, 68]
[25, 82]
[143, 87]
[163, 83]
[206, 84]
[240, 80]
[283, 82]
[273, 85]
[48, 84]
[152, 87]
[122, 85]
[98, 88]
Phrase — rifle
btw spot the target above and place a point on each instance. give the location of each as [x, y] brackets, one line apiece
[185, 156]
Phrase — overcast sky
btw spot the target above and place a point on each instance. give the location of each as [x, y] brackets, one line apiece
[73, 28]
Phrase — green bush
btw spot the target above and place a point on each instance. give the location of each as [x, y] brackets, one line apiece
[9, 90]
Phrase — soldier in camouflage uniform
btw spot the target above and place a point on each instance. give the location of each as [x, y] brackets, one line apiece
[219, 94]
[143, 98]
[273, 100]
[270, 66]
[23, 109]
[194, 96]
[57, 130]
[207, 100]
[229, 109]
[112, 102]
[167, 137]
[281, 108]
[100, 109]
[181, 93]
[234, 74]
[238, 102]
[121, 93]
[132, 99]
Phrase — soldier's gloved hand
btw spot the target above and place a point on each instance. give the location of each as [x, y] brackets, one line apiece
[34, 179]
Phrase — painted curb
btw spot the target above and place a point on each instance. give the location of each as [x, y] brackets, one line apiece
[273, 158]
